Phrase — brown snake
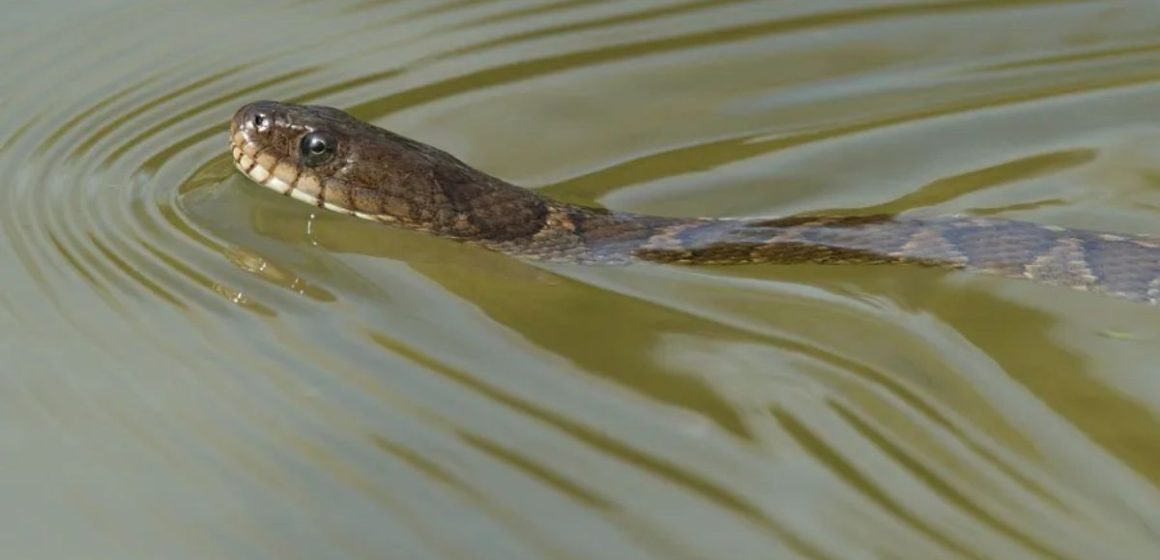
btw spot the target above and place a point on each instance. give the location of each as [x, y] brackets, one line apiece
[326, 158]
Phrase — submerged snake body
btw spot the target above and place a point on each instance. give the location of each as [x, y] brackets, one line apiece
[324, 157]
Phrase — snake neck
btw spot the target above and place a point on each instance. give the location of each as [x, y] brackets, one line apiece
[547, 229]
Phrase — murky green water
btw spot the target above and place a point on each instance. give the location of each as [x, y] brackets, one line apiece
[194, 367]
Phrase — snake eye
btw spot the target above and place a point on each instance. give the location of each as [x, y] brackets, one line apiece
[315, 148]
[261, 121]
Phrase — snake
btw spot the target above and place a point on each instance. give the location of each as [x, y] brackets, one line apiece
[330, 159]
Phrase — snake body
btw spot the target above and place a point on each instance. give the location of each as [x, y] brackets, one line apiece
[327, 158]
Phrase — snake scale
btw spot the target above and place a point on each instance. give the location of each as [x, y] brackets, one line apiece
[327, 158]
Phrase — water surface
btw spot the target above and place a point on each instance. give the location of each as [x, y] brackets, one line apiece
[194, 367]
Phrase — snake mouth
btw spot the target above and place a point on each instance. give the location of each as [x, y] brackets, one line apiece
[286, 178]
[281, 177]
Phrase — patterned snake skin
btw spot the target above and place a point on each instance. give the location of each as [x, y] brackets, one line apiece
[326, 158]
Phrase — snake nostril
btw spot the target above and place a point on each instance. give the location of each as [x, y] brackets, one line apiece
[252, 119]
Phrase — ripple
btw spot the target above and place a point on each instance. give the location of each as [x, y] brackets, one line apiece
[212, 371]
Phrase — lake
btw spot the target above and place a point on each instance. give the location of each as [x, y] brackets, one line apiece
[195, 367]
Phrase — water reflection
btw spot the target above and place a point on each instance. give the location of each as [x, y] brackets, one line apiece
[194, 367]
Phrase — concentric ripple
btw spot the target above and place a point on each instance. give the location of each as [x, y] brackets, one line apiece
[195, 367]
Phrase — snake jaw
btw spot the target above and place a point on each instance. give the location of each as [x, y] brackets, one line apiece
[305, 187]
[267, 178]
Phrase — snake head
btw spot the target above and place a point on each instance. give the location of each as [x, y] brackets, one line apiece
[325, 157]
[319, 155]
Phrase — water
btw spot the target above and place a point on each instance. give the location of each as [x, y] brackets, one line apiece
[195, 367]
